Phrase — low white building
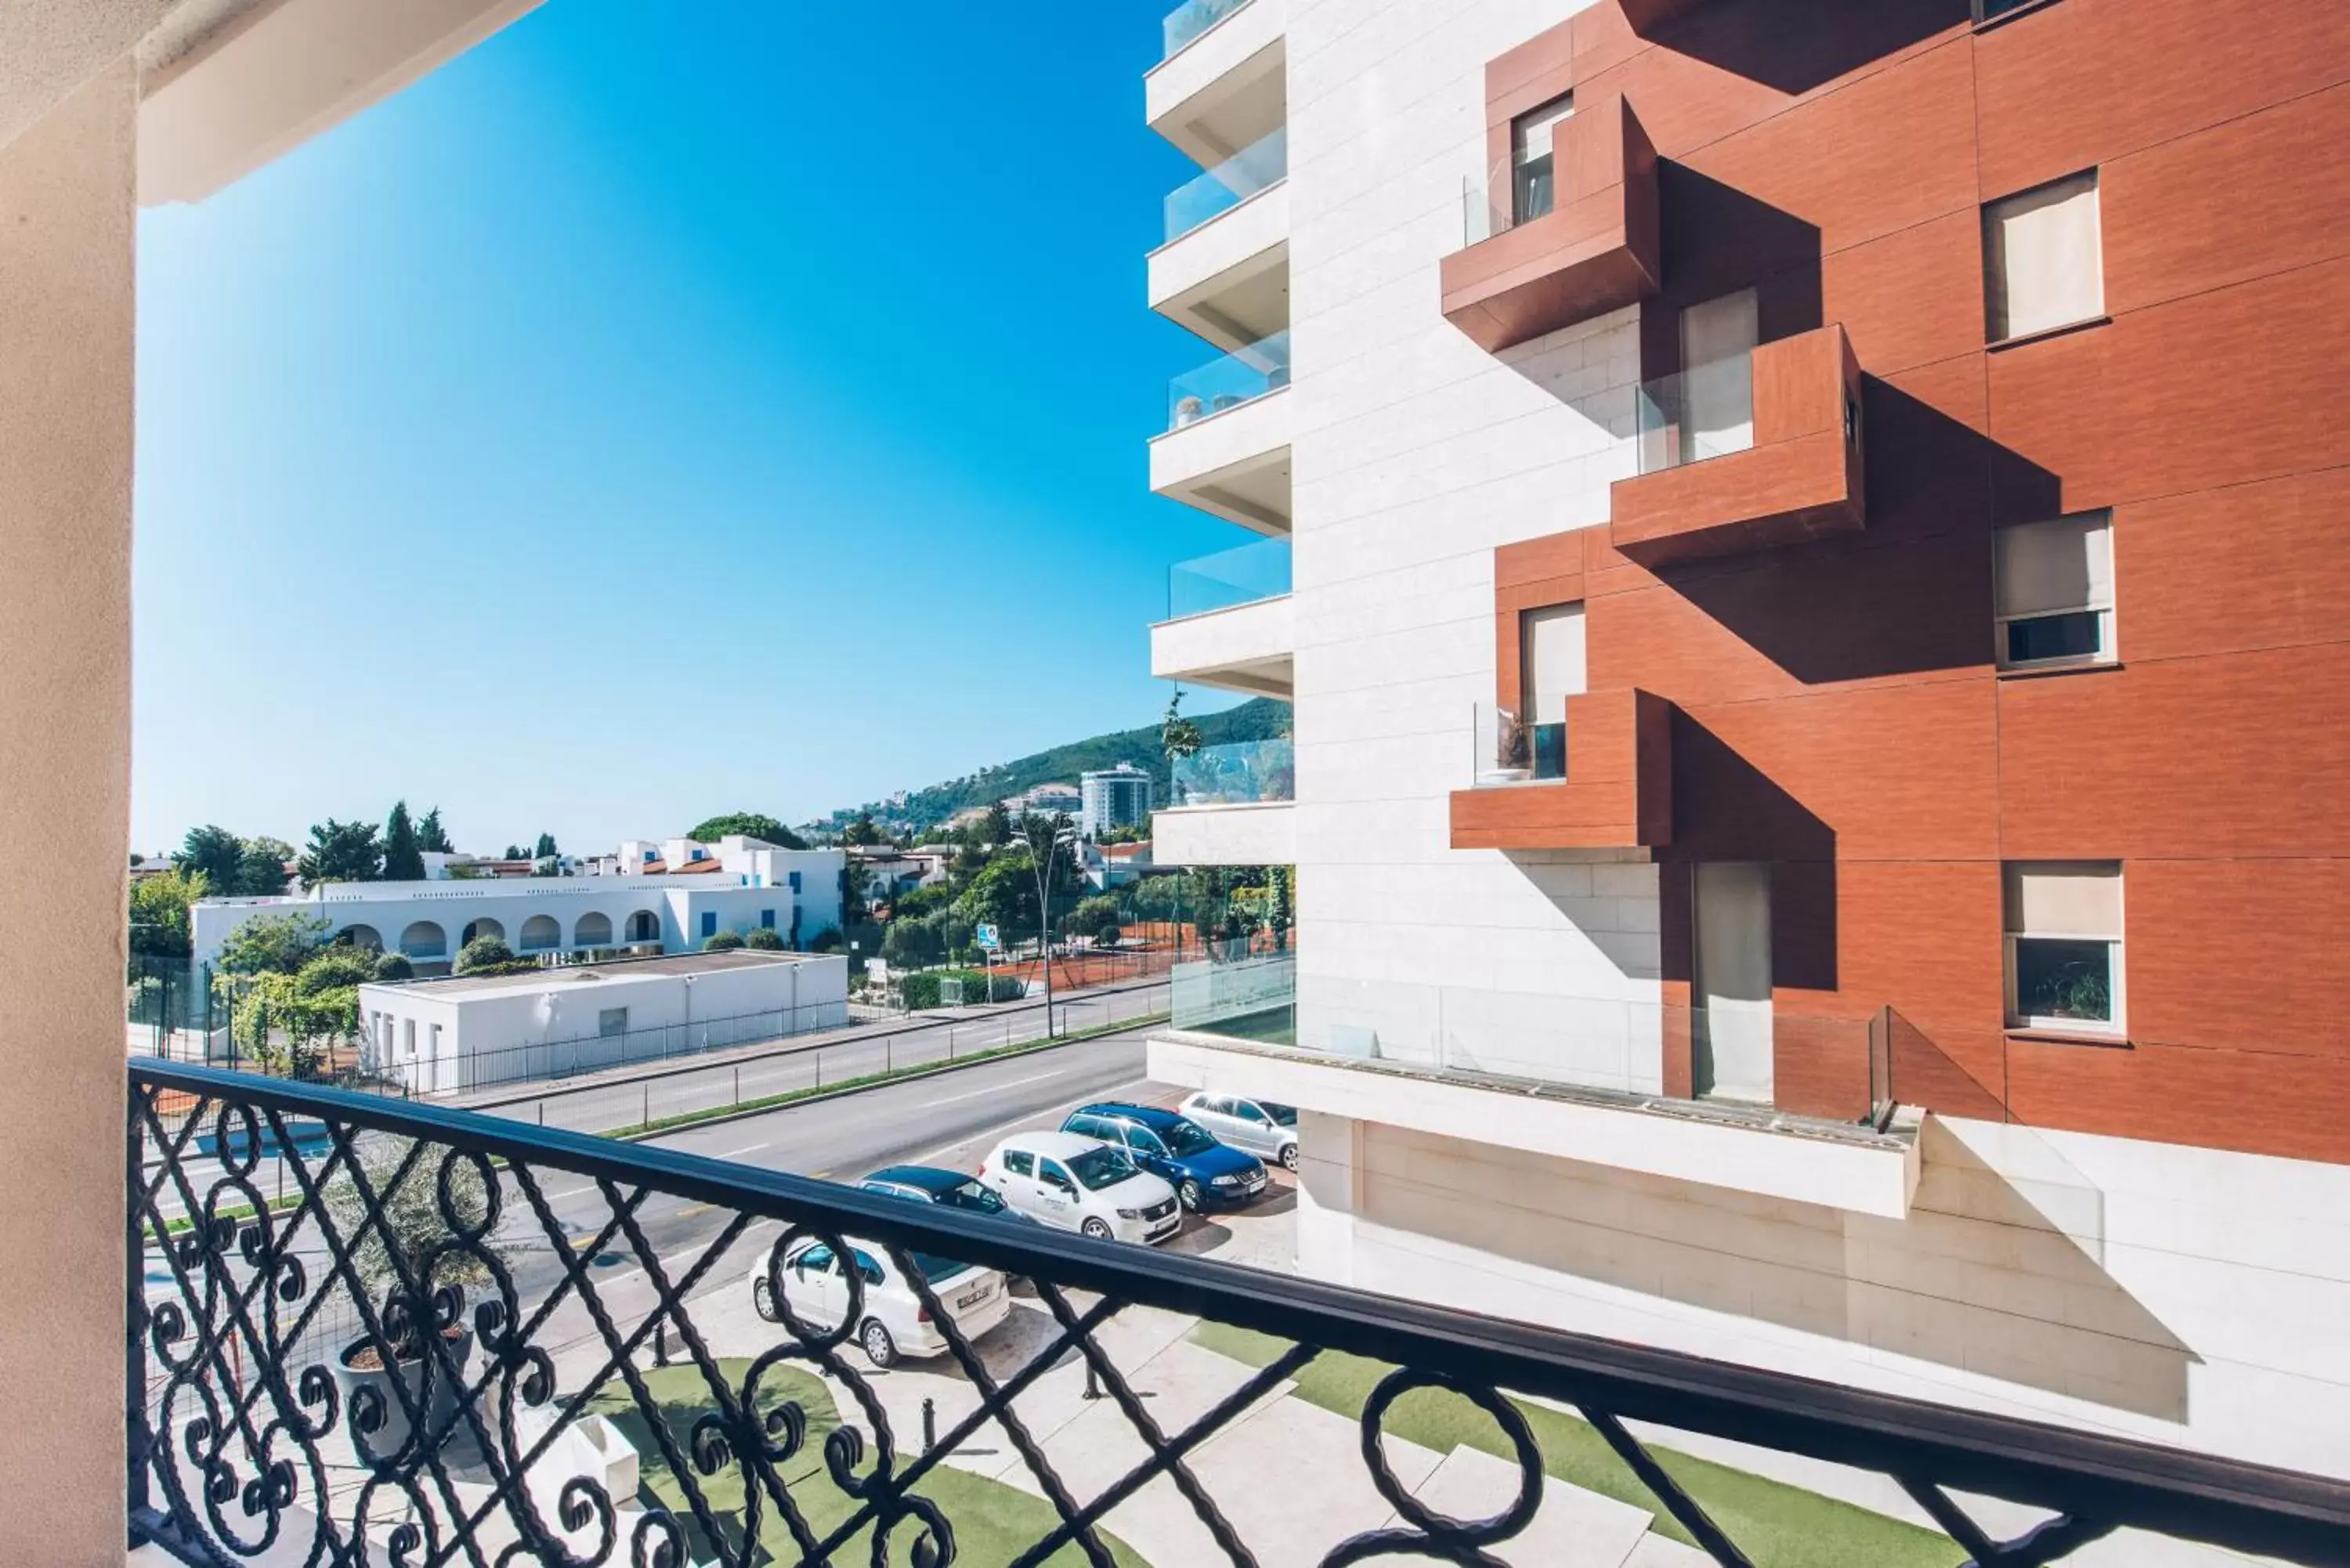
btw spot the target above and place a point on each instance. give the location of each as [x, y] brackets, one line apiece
[447, 1036]
[748, 886]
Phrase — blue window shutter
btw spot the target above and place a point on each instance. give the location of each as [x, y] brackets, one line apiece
[709, 922]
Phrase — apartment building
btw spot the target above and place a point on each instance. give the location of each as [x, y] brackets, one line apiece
[1804, 542]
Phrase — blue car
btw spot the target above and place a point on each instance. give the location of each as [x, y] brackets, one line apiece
[1204, 1173]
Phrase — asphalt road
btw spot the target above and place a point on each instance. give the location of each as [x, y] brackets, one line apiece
[949, 1119]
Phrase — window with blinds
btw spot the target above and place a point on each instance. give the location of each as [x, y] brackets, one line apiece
[2063, 921]
[1531, 167]
[2044, 263]
[2053, 592]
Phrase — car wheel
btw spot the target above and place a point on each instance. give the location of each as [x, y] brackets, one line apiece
[879, 1348]
[1289, 1157]
[764, 1299]
[1098, 1230]
[1189, 1195]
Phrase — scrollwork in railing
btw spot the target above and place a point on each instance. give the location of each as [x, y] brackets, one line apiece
[397, 1346]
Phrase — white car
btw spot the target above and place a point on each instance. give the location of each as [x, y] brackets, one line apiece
[895, 1322]
[1077, 1183]
[1260, 1127]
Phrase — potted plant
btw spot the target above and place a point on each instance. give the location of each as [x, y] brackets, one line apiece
[411, 1241]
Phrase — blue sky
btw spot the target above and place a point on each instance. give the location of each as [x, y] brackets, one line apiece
[662, 409]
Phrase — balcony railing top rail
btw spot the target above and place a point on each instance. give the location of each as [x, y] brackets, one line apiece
[1259, 166]
[1241, 377]
[301, 1381]
[1241, 772]
[1188, 21]
[1706, 411]
[1240, 576]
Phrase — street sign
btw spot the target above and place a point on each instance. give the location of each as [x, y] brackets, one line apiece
[988, 938]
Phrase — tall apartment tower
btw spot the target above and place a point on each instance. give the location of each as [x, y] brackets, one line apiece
[1821, 771]
[1112, 798]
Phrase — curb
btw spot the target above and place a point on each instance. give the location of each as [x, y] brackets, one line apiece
[936, 1070]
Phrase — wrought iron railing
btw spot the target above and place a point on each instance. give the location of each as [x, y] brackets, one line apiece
[303, 1380]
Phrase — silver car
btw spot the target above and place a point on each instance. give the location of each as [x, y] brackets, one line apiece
[1260, 1127]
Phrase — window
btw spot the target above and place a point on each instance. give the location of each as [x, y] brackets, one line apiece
[611, 1020]
[1717, 400]
[1085, 1126]
[1019, 1162]
[1050, 1173]
[796, 881]
[1992, 10]
[1143, 1140]
[817, 1260]
[408, 1035]
[1533, 185]
[2043, 265]
[2054, 592]
[709, 922]
[2064, 923]
[766, 919]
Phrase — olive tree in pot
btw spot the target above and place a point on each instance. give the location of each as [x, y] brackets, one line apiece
[431, 1240]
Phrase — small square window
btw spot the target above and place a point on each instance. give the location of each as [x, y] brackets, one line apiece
[2063, 927]
[2053, 592]
[2044, 263]
[611, 1020]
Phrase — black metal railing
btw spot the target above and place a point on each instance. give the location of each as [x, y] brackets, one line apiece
[314, 1274]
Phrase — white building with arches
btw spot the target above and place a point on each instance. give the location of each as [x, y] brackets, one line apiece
[795, 893]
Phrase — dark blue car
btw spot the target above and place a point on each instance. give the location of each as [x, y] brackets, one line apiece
[951, 1188]
[1204, 1173]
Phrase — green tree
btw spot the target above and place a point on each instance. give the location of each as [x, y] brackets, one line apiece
[393, 965]
[750, 825]
[338, 966]
[826, 940]
[1096, 917]
[765, 940]
[546, 850]
[722, 942]
[861, 831]
[341, 852]
[1177, 736]
[431, 837]
[272, 944]
[910, 944]
[261, 869]
[995, 827]
[283, 1028]
[216, 855]
[514, 852]
[159, 911]
[484, 953]
[1002, 894]
[403, 856]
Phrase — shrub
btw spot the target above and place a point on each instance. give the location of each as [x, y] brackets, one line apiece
[394, 965]
[922, 990]
[765, 940]
[722, 942]
[826, 940]
[484, 953]
[336, 966]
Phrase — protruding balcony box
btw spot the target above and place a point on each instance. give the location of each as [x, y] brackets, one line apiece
[1594, 251]
[1791, 473]
[1606, 784]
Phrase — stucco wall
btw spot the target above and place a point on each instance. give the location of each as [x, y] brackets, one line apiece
[66, 310]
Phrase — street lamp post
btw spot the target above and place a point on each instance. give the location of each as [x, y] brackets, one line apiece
[1060, 834]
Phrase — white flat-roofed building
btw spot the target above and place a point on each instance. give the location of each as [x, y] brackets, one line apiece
[753, 887]
[447, 1036]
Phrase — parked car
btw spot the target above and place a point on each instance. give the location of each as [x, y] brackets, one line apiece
[1204, 1173]
[1259, 1126]
[948, 1189]
[894, 1323]
[1082, 1184]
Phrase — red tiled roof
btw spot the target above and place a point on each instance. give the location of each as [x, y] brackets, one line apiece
[698, 868]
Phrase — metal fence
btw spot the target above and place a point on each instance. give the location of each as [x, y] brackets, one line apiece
[542, 1368]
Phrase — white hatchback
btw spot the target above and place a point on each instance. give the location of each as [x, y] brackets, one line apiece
[1082, 1184]
[893, 1321]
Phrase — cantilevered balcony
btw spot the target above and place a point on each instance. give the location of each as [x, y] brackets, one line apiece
[1235, 804]
[1231, 622]
[1750, 453]
[1226, 449]
[1224, 83]
[1542, 256]
[1223, 271]
[1598, 778]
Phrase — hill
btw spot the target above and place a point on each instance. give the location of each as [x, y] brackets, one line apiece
[1254, 720]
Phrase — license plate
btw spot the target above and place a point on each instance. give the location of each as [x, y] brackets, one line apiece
[973, 1298]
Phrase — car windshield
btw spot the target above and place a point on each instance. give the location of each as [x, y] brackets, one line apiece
[972, 1196]
[1096, 1168]
[1185, 1139]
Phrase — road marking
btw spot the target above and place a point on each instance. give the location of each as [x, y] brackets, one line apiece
[991, 1089]
[569, 1192]
[739, 1153]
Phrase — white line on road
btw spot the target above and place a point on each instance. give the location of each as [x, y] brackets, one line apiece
[991, 1089]
[739, 1153]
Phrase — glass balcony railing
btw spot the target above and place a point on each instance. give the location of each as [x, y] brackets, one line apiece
[1245, 772]
[1245, 989]
[1510, 751]
[1706, 411]
[1238, 378]
[1186, 22]
[1228, 184]
[1229, 577]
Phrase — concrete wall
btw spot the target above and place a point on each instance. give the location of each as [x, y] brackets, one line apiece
[67, 313]
[1416, 454]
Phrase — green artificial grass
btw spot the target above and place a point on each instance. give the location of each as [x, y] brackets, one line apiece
[1777, 1525]
[1275, 1026]
[992, 1522]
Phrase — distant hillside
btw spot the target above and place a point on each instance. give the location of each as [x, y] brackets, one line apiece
[1253, 721]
